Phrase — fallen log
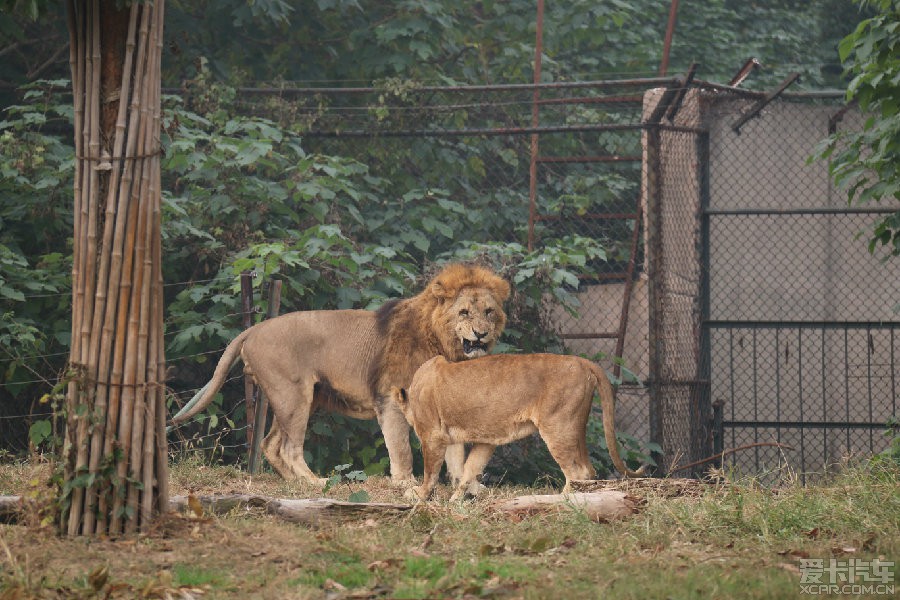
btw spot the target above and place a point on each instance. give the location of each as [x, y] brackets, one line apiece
[603, 506]
[10, 509]
[312, 511]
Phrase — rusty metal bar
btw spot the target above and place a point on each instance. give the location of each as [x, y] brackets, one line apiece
[589, 336]
[604, 276]
[664, 103]
[632, 99]
[588, 159]
[629, 285]
[803, 95]
[478, 131]
[685, 83]
[670, 33]
[247, 322]
[262, 405]
[535, 119]
[589, 216]
[751, 65]
[756, 108]
[641, 82]
[835, 119]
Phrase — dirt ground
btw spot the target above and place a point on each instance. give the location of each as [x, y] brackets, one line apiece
[687, 540]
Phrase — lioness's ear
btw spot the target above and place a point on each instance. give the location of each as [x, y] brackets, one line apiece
[398, 395]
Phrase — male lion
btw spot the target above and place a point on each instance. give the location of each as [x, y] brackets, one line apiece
[347, 361]
[498, 399]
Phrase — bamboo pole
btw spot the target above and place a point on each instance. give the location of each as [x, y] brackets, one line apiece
[153, 275]
[117, 322]
[100, 442]
[157, 370]
[76, 64]
[131, 414]
[138, 334]
[83, 401]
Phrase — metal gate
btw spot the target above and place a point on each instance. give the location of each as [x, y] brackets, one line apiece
[775, 334]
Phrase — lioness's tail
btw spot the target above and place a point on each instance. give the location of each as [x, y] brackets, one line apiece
[604, 387]
[202, 398]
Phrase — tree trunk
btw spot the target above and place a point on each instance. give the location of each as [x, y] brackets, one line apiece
[115, 471]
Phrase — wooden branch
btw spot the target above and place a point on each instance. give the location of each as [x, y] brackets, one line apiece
[721, 455]
[602, 506]
[607, 505]
[10, 509]
[313, 511]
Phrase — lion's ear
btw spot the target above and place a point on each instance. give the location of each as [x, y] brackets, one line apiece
[500, 289]
[439, 291]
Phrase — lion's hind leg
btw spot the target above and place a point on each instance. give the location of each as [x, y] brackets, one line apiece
[283, 447]
[271, 447]
[478, 459]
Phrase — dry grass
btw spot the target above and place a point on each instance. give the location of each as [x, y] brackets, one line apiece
[689, 540]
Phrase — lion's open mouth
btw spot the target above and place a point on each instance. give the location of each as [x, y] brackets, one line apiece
[474, 348]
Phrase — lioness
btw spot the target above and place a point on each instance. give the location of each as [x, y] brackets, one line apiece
[498, 399]
[348, 361]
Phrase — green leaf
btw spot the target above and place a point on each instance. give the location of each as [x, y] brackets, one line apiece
[12, 294]
[359, 496]
[40, 431]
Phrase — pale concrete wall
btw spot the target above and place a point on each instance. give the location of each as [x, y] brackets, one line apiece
[632, 414]
[762, 268]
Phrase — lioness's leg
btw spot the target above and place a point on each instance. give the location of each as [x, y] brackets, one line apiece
[433, 457]
[396, 437]
[478, 459]
[455, 458]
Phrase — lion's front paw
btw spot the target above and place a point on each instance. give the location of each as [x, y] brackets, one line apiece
[416, 494]
[403, 482]
[472, 490]
[475, 489]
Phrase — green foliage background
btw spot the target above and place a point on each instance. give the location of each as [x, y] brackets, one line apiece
[242, 191]
[865, 162]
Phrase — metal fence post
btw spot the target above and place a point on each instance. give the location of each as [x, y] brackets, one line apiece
[262, 406]
[247, 322]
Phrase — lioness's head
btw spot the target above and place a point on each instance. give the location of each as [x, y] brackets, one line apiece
[468, 315]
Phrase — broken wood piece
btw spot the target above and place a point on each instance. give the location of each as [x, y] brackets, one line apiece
[10, 509]
[312, 511]
[603, 506]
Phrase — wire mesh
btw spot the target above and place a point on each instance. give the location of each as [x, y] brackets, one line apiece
[735, 274]
[767, 301]
[585, 149]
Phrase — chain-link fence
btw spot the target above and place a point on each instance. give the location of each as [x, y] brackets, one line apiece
[772, 327]
[537, 164]
[734, 287]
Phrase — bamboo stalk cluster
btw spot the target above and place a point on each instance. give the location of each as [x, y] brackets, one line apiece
[115, 471]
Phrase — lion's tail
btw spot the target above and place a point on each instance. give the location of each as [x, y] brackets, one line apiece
[604, 387]
[203, 397]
